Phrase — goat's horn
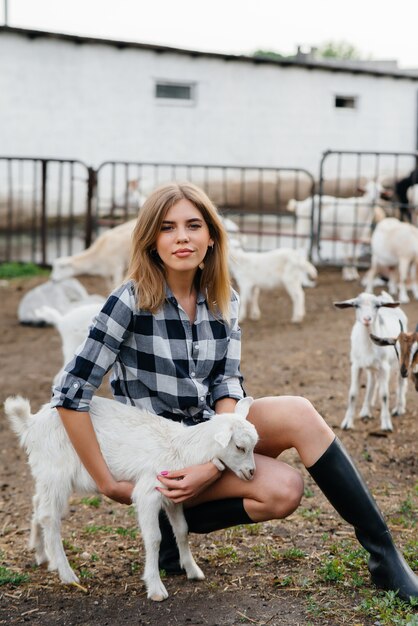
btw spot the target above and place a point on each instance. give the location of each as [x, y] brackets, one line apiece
[416, 328]
[401, 325]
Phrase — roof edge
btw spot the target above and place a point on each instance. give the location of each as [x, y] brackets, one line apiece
[285, 62]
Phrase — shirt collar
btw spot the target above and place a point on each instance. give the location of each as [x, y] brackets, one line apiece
[171, 297]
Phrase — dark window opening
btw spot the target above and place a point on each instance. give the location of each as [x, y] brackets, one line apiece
[174, 91]
[345, 102]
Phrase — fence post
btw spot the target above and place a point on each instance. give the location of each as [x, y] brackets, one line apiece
[91, 195]
[44, 225]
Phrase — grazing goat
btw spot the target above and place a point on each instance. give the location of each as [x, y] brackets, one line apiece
[108, 256]
[61, 296]
[136, 445]
[283, 267]
[348, 220]
[72, 326]
[380, 316]
[394, 245]
[407, 352]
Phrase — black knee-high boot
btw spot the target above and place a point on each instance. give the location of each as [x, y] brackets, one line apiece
[337, 477]
[203, 518]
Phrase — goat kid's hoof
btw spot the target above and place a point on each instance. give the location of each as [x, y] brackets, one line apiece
[196, 574]
[69, 579]
[158, 596]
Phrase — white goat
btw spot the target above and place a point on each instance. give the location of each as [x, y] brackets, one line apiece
[347, 220]
[377, 315]
[136, 446]
[394, 245]
[108, 256]
[62, 296]
[283, 267]
[72, 326]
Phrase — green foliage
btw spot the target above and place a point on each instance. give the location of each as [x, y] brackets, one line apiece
[390, 610]
[294, 553]
[94, 501]
[337, 50]
[7, 577]
[21, 270]
[268, 54]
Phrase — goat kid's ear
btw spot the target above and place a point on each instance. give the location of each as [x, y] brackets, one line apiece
[223, 437]
[383, 341]
[243, 406]
[390, 305]
[345, 304]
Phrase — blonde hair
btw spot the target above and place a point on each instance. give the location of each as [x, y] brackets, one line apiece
[146, 268]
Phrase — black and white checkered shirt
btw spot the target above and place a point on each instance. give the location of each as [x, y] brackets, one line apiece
[160, 362]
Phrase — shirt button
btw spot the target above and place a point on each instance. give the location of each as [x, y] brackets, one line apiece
[202, 398]
[75, 385]
[193, 374]
[196, 346]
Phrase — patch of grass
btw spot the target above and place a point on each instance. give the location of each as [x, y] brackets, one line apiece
[310, 513]
[7, 577]
[93, 528]
[308, 493]
[227, 552]
[21, 270]
[287, 581]
[294, 553]
[127, 532]
[85, 574]
[389, 609]
[94, 501]
[346, 560]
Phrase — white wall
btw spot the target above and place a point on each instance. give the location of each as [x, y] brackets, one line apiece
[96, 102]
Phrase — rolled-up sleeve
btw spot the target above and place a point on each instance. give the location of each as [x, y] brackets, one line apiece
[93, 359]
[227, 380]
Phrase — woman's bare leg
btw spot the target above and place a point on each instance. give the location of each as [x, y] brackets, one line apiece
[275, 492]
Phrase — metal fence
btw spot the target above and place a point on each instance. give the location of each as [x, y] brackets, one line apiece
[55, 207]
[45, 208]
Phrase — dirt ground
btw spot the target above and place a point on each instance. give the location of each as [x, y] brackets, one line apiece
[276, 573]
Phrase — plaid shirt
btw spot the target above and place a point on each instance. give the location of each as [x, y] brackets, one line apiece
[160, 362]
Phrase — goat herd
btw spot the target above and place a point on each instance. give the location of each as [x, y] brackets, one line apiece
[380, 345]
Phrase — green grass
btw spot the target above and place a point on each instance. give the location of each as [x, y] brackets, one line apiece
[7, 577]
[21, 270]
[94, 501]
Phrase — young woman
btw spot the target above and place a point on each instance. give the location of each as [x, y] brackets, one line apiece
[171, 337]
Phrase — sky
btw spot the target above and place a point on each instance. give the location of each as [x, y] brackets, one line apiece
[378, 29]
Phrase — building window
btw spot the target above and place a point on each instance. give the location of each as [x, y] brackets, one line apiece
[346, 102]
[182, 92]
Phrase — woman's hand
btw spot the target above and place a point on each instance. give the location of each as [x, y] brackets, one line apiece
[119, 491]
[187, 483]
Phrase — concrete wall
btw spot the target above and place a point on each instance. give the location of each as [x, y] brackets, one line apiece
[96, 102]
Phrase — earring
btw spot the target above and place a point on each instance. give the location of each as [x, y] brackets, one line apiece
[201, 265]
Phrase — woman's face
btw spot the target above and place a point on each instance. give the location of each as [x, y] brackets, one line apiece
[184, 238]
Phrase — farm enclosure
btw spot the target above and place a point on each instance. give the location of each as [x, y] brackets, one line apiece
[251, 576]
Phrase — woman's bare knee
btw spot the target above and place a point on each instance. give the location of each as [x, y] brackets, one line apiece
[286, 498]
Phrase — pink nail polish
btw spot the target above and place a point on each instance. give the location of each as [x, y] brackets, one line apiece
[164, 473]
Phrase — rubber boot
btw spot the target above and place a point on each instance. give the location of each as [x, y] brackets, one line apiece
[201, 519]
[340, 481]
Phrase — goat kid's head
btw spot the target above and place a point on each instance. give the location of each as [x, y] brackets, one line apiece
[61, 269]
[406, 346]
[367, 306]
[237, 438]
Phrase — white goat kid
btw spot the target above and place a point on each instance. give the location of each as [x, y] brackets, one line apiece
[136, 446]
[347, 220]
[73, 327]
[108, 256]
[395, 245]
[283, 267]
[377, 315]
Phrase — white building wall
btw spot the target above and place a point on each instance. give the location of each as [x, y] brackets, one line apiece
[96, 102]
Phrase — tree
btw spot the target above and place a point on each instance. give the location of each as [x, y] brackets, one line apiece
[337, 50]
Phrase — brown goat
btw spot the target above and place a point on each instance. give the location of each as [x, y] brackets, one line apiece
[408, 352]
